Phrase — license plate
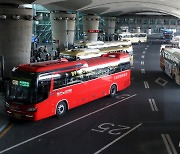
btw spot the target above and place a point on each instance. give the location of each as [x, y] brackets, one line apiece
[18, 116]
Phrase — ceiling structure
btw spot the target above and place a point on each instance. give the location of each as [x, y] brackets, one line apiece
[107, 7]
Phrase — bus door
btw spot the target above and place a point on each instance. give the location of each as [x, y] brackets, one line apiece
[43, 91]
[168, 68]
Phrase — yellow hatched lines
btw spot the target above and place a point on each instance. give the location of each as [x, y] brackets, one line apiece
[5, 130]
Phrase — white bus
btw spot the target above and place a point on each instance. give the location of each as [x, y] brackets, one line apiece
[170, 62]
[101, 44]
[85, 53]
[135, 38]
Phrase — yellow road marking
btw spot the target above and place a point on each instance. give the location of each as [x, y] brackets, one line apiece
[6, 130]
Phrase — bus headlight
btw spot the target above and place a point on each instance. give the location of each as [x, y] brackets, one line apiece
[7, 105]
[32, 109]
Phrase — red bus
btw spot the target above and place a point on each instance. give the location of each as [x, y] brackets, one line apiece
[41, 90]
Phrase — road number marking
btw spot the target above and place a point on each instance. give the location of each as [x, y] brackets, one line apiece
[117, 139]
[110, 128]
[122, 96]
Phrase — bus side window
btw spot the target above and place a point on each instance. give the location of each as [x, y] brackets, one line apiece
[112, 69]
[124, 66]
[59, 82]
[43, 90]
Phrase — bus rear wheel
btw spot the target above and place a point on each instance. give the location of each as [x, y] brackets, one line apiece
[113, 90]
[61, 109]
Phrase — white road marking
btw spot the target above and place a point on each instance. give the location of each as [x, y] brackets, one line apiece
[161, 81]
[142, 56]
[145, 48]
[169, 144]
[143, 71]
[144, 52]
[66, 124]
[142, 62]
[146, 84]
[117, 139]
[153, 105]
[122, 96]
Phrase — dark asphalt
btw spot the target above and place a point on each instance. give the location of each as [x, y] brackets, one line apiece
[142, 119]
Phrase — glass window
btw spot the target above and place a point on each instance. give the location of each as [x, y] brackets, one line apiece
[131, 21]
[126, 21]
[159, 21]
[145, 21]
[166, 22]
[152, 21]
[178, 22]
[173, 22]
[138, 21]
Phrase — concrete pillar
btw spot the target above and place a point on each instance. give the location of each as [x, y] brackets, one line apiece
[110, 23]
[138, 30]
[91, 22]
[63, 28]
[149, 31]
[16, 35]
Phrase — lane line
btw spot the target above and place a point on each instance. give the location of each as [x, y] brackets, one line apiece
[153, 105]
[166, 144]
[169, 144]
[144, 52]
[117, 139]
[143, 71]
[152, 108]
[146, 84]
[66, 124]
[142, 56]
[142, 62]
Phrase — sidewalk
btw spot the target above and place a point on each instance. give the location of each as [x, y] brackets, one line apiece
[4, 120]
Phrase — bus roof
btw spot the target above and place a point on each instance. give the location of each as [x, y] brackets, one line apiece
[174, 52]
[65, 65]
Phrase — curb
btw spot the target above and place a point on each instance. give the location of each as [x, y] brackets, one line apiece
[4, 125]
[4, 121]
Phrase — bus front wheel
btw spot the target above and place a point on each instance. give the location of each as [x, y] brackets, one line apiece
[61, 109]
[113, 90]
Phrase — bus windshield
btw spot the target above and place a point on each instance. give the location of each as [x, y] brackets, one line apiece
[21, 90]
[19, 93]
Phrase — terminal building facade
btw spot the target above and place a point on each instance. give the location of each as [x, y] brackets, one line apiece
[149, 20]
